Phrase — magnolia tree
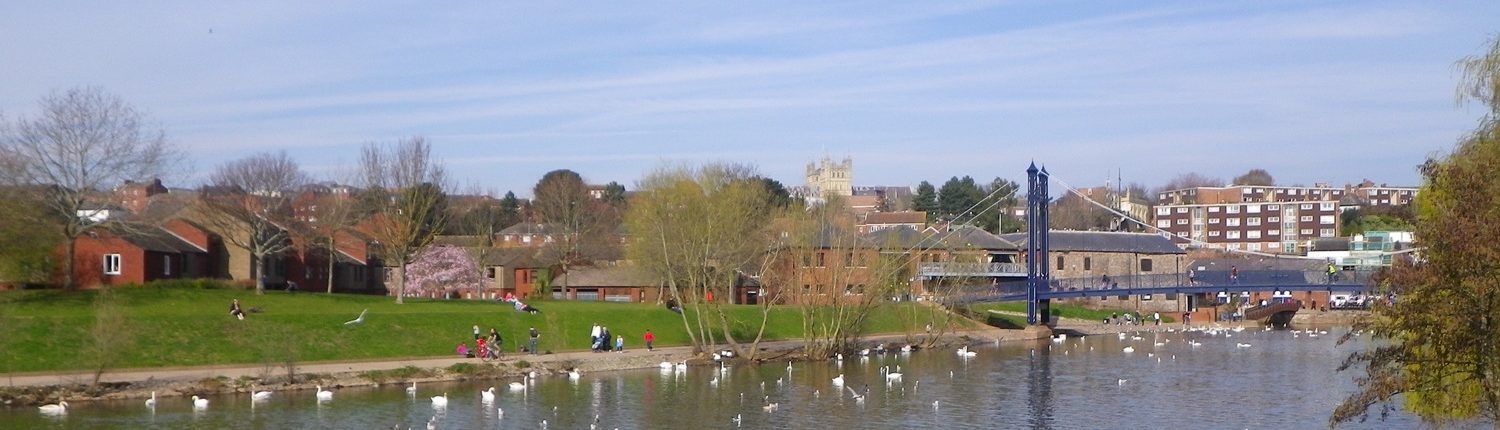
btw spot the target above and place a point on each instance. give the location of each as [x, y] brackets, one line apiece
[441, 269]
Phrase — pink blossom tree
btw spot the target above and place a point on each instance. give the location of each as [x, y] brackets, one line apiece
[442, 269]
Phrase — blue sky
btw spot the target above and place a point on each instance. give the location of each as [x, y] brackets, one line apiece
[1312, 91]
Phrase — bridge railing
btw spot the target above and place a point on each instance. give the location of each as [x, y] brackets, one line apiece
[971, 269]
[1260, 278]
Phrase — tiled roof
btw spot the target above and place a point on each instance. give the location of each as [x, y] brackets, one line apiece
[1103, 241]
[960, 237]
[607, 277]
[157, 240]
[907, 217]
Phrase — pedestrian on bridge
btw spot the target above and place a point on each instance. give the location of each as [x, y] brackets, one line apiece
[1332, 271]
[1234, 274]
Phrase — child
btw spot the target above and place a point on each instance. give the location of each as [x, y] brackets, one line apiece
[463, 350]
[619, 343]
[649, 338]
[480, 349]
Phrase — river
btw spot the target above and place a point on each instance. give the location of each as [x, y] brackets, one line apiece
[1280, 380]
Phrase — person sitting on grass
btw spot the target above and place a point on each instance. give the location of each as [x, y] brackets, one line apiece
[463, 350]
[234, 309]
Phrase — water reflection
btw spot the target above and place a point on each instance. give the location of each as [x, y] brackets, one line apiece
[1280, 381]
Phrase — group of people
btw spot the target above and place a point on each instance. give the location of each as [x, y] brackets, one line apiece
[599, 337]
[486, 346]
[518, 304]
[1132, 318]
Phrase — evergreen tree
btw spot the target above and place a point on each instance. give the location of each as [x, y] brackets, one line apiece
[925, 200]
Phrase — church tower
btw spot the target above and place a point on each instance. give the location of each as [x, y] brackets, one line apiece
[829, 177]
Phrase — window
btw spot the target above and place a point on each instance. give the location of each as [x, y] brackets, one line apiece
[1182, 210]
[820, 259]
[166, 265]
[1325, 220]
[1163, 210]
[1307, 206]
[489, 272]
[1232, 235]
[1252, 209]
[849, 259]
[1182, 221]
[1307, 218]
[1059, 262]
[1327, 232]
[112, 264]
[1252, 221]
[1234, 209]
[1145, 264]
[1163, 223]
[1145, 297]
[1252, 234]
[1306, 232]
[1273, 232]
[1273, 220]
[807, 260]
[1213, 209]
[1327, 206]
[1232, 222]
[1254, 246]
[1274, 207]
[1213, 220]
[1088, 263]
[1213, 233]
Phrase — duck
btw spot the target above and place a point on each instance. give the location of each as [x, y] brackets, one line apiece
[60, 408]
[440, 401]
[487, 395]
[324, 395]
[199, 403]
[151, 402]
[412, 390]
[260, 395]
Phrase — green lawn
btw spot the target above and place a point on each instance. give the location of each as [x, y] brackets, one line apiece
[47, 330]
[1064, 311]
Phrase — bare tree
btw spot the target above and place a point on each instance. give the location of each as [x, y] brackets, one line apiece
[333, 212]
[697, 229]
[82, 142]
[1255, 177]
[1191, 180]
[583, 223]
[249, 201]
[408, 188]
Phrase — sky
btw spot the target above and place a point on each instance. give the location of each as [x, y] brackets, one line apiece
[1323, 91]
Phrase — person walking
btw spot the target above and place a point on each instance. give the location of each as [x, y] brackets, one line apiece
[1157, 317]
[1331, 272]
[531, 342]
[649, 338]
[1192, 277]
[1234, 275]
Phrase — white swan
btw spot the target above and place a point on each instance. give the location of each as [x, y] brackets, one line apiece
[838, 381]
[1242, 345]
[324, 395]
[682, 366]
[487, 395]
[151, 402]
[260, 395]
[440, 401]
[1122, 381]
[360, 320]
[893, 376]
[60, 408]
[1129, 349]
[574, 374]
[199, 403]
[412, 390]
[665, 365]
[517, 386]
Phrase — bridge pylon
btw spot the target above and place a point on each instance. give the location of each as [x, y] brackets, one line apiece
[1038, 273]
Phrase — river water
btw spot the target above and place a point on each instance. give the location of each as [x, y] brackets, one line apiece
[1280, 380]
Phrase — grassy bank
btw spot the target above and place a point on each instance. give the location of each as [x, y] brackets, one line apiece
[50, 330]
[1063, 311]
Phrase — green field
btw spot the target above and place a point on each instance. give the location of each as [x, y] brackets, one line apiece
[176, 326]
[1064, 311]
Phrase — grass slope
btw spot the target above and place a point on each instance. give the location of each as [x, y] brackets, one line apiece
[47, 330]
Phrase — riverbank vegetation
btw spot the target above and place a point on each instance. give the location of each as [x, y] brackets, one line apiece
[170, 324]
[1063, 311]
[1438, 344]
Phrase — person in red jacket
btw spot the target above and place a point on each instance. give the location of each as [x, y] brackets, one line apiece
[649, 338]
